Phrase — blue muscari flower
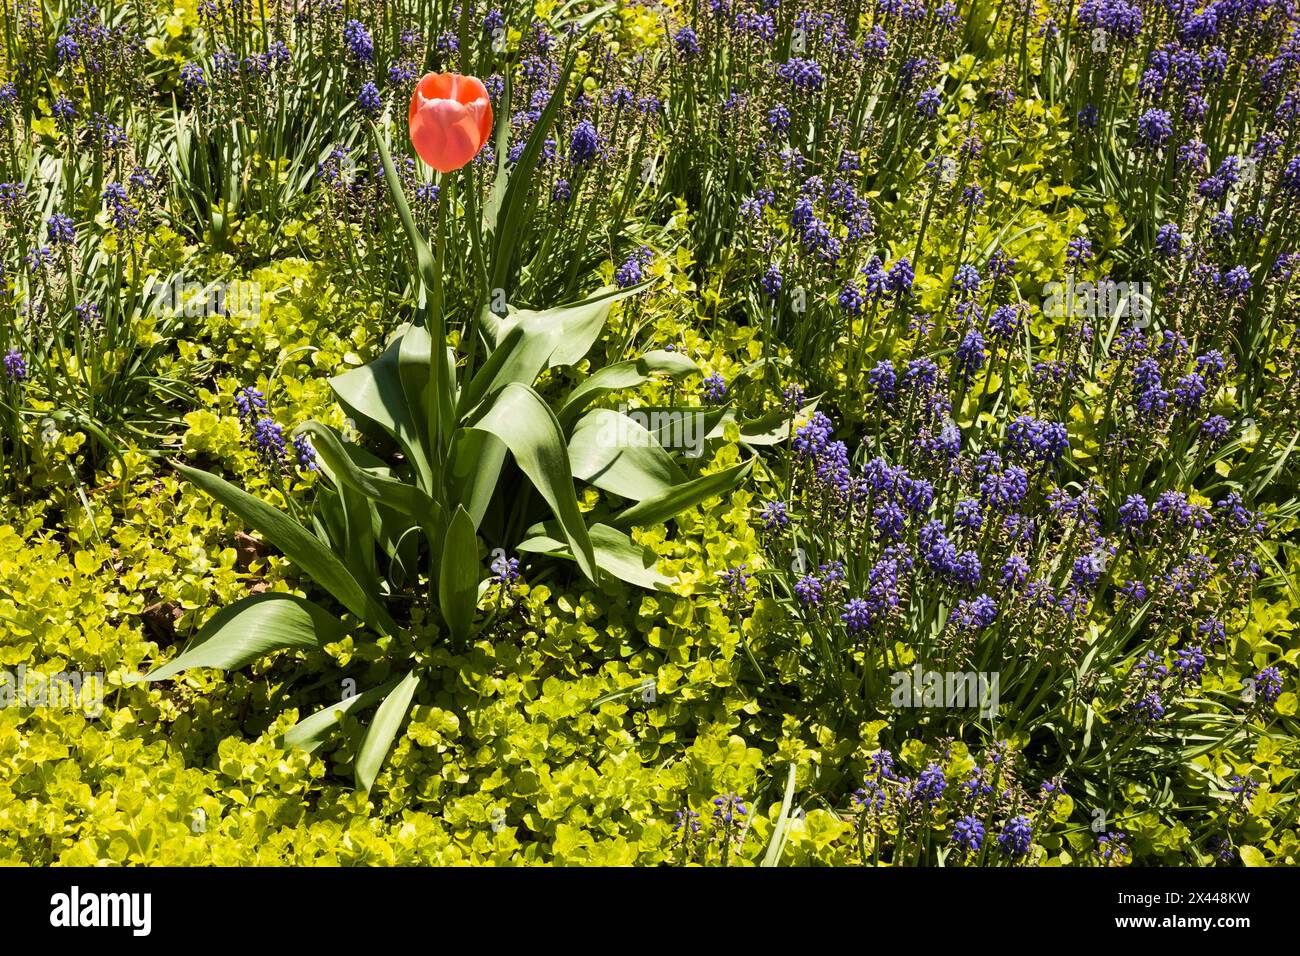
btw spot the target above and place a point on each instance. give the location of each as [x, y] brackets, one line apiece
[1290, 178]
[929, 786]
[1016, 836]
[402, 73]
[771, 282]
[969, 355]
[1268, 685]
[1189, 391]
[1150, 709]
[890, 519]
[968, 834]
[1215, 428]
[948, 442]
[966, 279]
[1235, 283]
[1133, 513]
[762, 25]
[975, 614]
[123, 213]
[1155, 127]
[857, 616]
[753, 207]
[1086, 571]
[15, 366]
[715, 387]
[901, 277]
[686, 42]
[851, 299]
[1121, 19]
[1244, 787]
[505, 571]
[1033, 439]
[1005, 323]
[808, 589]
[1190, 663]
[921, 374]
[361, 48]
[67, 49]
[1015, 571]
[192, 77]
[305, 454]
[632, 271]
[774, 516]
[1212, 630]
[917, 495]
[876, 280]
[64, 112]
[88, 313]
[1169, 241]
[562, 193]
[1134, 591]
[737, 582]
[1004, 490]
[727, 808]
[493, 21]
[60, 230]
[927, 104]
[368, 100]
[968, 514]
[1192, 154]
[883, 379]
[778, 118]
[583, 143]
[686, 820]
[250, 404]
[278, 53]
[802, 74]
[1195, 107]
[814, 235]
[1078, 252]
[876, 44]
[812, 437]
[38, 258]
[268, 441]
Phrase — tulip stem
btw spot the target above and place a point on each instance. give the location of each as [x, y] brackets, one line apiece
[439, 390]
[429, 281]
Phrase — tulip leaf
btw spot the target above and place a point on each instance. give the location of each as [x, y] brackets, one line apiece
[616, 553]
[459, 575]
[312, 731]
[511, 212]
[473, 469]
[379, 736]
[616, 454]
[532, 342]
[253, 627]
[375, 392]
[623, 375]
[659, 509]
[343, 463]
[527, 426]
[298, 544]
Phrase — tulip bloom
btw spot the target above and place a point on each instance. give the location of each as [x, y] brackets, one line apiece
[450, 119]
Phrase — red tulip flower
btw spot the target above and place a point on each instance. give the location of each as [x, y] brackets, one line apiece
[451, 119]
